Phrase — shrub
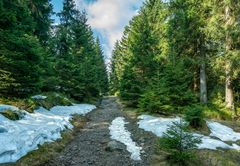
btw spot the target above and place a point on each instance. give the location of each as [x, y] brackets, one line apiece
[179, 143]
[195, 117]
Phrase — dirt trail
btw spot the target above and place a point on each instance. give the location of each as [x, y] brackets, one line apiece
[89, 145]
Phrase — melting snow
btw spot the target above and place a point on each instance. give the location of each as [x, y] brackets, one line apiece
[39, 97]
[74, 109]
[223, 132]
[7, 107]
[119, 133]
[158, 126]
[17, 138]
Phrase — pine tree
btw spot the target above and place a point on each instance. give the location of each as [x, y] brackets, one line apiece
[41, 11]
[64, 45]
[182, 41]
[114, 77]
[102, 75]
[170, 92]
[190, 40]
[224, 31]
[21, 52]
[143, 46]
[79, 62]
[178, 142]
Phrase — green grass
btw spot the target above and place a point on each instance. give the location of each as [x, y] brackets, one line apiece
[10, 115]
[30, 105]
[218, 113]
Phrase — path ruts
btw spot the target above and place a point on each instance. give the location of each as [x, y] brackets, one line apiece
[88, 146]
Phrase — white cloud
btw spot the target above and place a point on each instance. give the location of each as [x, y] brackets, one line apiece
[109, 17]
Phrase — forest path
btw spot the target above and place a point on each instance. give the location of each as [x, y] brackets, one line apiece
[89, 145]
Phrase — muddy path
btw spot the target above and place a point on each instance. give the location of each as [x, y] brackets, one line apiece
[89, 145]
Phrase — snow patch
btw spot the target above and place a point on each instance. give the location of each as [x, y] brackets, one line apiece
[156, 125]
[223, 132]
[17, 138]
[119, 133]
[213, 144]
[39, 97]
[159, 125]
[7, 107]
[74, 109]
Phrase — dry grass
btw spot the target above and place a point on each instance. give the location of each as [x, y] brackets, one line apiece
[203, 158]
[218, 158]
[23, 104]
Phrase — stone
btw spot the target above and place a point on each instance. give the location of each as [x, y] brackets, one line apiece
[115, 146]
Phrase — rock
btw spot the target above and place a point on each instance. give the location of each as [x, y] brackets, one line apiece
[104, 141]
[115, 146]
[142, 139]
[90, 162]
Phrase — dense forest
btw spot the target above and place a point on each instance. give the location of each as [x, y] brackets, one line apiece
[170, 96]
[39, 56]
[178, 54]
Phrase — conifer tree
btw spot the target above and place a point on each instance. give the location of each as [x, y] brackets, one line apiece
[79, 62]
[224, 29]
[101, 71]
[21, 52]
[143, 46]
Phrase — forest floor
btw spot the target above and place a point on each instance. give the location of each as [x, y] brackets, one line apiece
[89, 147]
[88, 144]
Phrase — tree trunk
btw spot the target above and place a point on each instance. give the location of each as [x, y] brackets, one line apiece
[203, 83]
[229, 96]
[195, 81]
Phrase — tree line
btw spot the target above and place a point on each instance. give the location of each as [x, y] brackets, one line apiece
[37, 55]
[179, 53]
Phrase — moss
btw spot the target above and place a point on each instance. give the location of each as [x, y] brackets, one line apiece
[10, 115]
[30, 105]
[23, 104]
[52, 100]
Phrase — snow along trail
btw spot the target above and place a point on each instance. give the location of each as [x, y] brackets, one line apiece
[89, 145]
[118, 132]
[7, 107]
[17, 138]
[223, 132]
[159, 125]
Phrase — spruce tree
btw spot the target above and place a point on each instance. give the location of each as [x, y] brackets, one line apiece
[79, 59]
[224, 30]
[101, 71]
[143, 46]
[64, 45]
[21, 52]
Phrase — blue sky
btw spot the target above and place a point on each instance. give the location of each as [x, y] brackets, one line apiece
[106, 17]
